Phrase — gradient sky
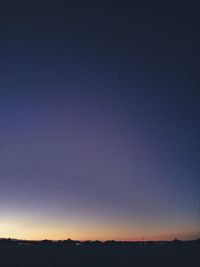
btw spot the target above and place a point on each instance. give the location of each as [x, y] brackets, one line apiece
[99, 120]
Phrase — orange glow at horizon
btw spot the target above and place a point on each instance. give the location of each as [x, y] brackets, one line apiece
[62, 232]
[32, 225]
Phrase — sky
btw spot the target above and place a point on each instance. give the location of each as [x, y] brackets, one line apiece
[99, 120]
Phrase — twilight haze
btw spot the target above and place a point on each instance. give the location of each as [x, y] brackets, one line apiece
[99, 111]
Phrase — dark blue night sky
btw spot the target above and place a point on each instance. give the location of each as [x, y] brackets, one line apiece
[99, 112]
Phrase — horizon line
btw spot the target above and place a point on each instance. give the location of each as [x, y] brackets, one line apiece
[99, 240]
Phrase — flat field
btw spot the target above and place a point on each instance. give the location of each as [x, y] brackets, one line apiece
[48, 256]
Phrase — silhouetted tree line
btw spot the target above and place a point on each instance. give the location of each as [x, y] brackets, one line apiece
[110, 243]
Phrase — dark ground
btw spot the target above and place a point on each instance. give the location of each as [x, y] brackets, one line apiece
[47, 256]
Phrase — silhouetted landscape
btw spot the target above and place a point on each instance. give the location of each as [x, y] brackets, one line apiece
[69, 252]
